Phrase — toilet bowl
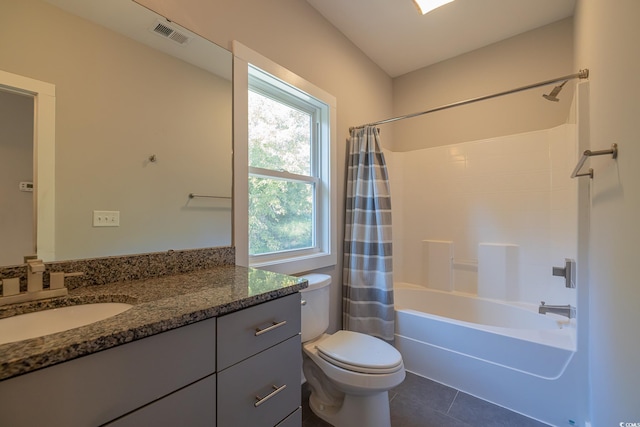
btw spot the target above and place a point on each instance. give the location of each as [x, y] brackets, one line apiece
[349, 373]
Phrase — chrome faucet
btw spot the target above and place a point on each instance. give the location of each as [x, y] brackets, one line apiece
[563, 310]
[35, 269]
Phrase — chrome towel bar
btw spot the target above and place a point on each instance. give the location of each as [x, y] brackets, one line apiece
[588, 153]
[196, 196]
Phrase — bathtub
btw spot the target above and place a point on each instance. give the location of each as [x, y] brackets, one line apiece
[504, 353]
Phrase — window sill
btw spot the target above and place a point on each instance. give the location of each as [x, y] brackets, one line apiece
[296, 265]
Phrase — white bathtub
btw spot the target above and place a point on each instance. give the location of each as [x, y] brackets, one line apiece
[504, 353]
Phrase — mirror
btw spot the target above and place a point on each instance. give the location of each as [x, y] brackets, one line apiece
[143, 119]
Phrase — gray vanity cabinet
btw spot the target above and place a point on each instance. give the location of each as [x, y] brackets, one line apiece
[202, 374]
[259, 365]
[191, 406]
[103, 386]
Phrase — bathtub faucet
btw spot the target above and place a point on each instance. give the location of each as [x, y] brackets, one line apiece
[563, 310]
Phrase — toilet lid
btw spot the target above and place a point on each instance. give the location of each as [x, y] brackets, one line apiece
[360, 353]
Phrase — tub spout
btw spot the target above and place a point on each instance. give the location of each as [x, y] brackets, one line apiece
[563, 310]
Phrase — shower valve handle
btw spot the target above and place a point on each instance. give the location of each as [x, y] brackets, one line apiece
[568, 272]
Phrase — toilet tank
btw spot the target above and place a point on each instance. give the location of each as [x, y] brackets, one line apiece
[315, 306]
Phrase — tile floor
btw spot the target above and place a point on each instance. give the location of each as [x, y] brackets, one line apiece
[419, 402]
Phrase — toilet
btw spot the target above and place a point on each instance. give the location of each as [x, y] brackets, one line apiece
[349, 373]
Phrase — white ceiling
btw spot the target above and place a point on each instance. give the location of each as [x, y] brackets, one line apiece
[397, 38]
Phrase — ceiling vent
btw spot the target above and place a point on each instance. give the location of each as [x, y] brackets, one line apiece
[165, 30]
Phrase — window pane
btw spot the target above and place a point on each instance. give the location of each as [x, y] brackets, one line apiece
[279, 136]
[280, 215]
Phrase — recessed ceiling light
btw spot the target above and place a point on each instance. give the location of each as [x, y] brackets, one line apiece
[426, 6]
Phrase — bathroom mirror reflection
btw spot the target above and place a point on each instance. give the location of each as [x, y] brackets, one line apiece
[143, 118]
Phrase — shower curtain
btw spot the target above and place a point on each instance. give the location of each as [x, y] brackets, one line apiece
[367, 269]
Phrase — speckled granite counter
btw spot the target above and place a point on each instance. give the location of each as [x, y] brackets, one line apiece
[159, 304]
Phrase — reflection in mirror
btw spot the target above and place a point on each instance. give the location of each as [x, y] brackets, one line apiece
[28, 139]
[16, 176]
[136, 130]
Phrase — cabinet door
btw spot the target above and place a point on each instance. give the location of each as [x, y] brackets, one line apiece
[244, 333]
[102, 386]
[193, 406]
[262, 390]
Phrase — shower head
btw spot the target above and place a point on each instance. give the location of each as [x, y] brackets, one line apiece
[556, 90]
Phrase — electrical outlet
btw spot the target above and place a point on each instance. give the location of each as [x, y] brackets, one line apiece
[106, 218]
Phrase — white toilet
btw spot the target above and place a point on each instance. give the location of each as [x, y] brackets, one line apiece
[349, 373]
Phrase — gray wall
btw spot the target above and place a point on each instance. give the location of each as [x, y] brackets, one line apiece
[606, 43]
[538, 55]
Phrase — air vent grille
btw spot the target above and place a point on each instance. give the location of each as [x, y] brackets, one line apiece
[179, 37]
[164, 30]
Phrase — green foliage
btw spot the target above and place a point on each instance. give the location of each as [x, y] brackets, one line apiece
[280, 211]
[280, 215]
[279, 136]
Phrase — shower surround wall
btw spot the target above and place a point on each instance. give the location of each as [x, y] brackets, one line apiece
[513, 190]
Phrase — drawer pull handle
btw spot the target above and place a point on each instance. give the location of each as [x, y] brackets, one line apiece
[270, 328]
[303, 302]
[276, 390]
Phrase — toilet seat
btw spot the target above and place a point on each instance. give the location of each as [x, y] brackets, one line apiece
[359, 353]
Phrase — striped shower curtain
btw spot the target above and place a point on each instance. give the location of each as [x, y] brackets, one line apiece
[367, 270]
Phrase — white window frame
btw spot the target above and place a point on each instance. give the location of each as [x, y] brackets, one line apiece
[246, 62]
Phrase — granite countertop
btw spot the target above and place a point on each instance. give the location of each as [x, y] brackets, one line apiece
[159, 304]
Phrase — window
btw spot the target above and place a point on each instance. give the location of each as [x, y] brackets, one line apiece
[289, 172]
[294, 180]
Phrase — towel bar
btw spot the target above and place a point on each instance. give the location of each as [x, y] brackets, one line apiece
[196, 196]
[588, 153]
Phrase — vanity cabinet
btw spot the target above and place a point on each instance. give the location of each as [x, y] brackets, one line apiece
[259, 365]
[240, 369]
[98, 388]
[191, 406]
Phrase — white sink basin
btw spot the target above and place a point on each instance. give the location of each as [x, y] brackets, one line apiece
[40, 323]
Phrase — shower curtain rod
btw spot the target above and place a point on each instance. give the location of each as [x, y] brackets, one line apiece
[582, 74]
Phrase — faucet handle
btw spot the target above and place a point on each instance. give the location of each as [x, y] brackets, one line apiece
[56, 278]
[35, 266]
[568, 272]
[10, 286]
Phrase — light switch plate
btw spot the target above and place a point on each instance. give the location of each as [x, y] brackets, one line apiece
[106, 218]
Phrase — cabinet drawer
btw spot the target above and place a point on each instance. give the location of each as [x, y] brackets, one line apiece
[193, 406]
[249, 331]
[293, 420]
[256, 381]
